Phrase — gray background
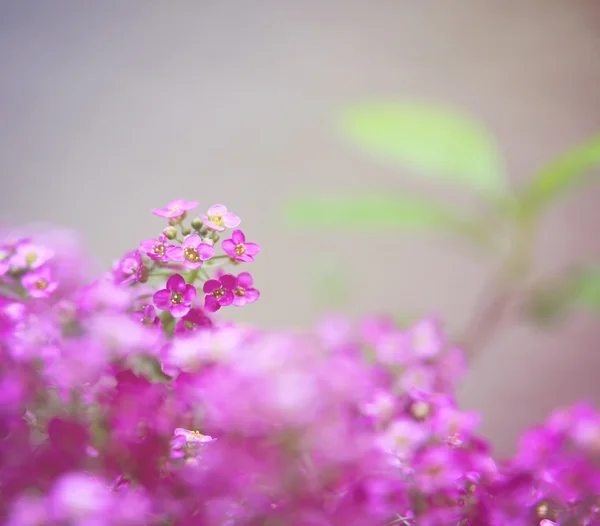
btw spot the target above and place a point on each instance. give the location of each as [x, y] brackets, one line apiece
[111, 108]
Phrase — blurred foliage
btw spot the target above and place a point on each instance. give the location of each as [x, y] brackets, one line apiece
[441, 143]
[434, 141]
[380, 212]
[559, 176]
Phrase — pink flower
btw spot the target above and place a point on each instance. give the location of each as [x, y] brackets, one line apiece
[148, 316]
[219, 292]
[192, 321]
[78, 497]
[175, 209]
[157, 248]
[238, 249]
[417, 379]
[177, 297]
[436, 468]
[39, 283]
[402, 437]
[426, 340]
[130, 268]
[218, 218]
[30, 255]
[193, 252]
[4, 268]
[244, 292]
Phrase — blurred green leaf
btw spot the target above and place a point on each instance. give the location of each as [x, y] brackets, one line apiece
[380, 212]
[587, 292]
[552, 301]
[435, 141]
[561, 175]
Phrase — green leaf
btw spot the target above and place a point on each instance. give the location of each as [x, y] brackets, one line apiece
[553, 300]
[561, 175]
[435, 141]
[379, 212]
[588, 290]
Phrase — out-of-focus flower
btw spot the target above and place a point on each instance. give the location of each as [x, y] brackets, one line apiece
[130, 268]
[39, 283]
[30, 255]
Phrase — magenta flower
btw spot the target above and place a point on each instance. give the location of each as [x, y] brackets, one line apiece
[130, 268]
[192, 321]
[4, 268]
[219, 292]
[244, 293]
[148, 316]
[175, 209]
[218, 218]
[238, 249]
[426, 339]
[157, 249]
[177, 297]
[30, 255]
[78, 497]
[39, 283]
[193, 252]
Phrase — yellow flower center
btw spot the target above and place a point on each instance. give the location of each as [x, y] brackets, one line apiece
[219, 293]
[159, 249]
[240, 249]
[30, 258]
[176, 298]
[216, 219]
[41, 284]
[239, 291]
[191, 255]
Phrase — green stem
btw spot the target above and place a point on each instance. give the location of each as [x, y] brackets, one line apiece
[498, 297]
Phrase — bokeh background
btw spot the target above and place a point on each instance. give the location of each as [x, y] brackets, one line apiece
[111, 108]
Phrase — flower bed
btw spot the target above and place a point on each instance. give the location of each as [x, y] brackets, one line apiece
[127, 401]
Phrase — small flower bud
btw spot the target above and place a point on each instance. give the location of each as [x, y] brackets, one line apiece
[203, 231]
[170, 232]
[214, 236]
[186, 231]
[197, 223]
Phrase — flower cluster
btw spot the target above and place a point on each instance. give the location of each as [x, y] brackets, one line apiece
[127, 402]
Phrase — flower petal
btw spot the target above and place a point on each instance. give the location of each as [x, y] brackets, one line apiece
[192, 241]
[162, 299]
[217, 210]
[174, 253]
[211, 304]
[176, 283]
[245, 280]
[211, 285]
[205, 251]
[227, 298]
[190, 294]
[178, 310]
[252, 295]
[239, 301]
[231, 220]
[238, 237]
[228, 281]
[228, 246]
[252, 249]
